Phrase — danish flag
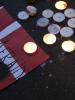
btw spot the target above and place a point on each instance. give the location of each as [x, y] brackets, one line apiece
[12, 39]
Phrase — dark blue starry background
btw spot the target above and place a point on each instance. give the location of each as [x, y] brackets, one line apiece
[55, 78]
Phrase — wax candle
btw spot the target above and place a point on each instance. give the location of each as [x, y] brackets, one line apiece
[30, 47]
[49, 39]
[61, 5]
[68, 46]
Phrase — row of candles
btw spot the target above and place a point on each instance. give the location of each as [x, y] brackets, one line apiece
[49, 39]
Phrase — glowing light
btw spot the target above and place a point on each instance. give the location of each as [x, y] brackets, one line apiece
[30, 47]
[61, 5]
[68, 46]
[49, 39]
[1, 7]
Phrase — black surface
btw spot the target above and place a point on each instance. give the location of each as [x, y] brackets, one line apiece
[54, 81]
[4, 71]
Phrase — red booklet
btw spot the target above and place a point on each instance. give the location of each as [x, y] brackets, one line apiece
[12, 39]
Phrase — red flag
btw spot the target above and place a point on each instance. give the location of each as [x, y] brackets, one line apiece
[12, 39]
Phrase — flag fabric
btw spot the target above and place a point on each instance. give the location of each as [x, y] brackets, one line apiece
[12, 39]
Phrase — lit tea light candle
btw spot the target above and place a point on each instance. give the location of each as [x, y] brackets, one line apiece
[49, 39]
[61, 5]
[68, 46]
[1, 7]
[30, 47]
[31, 10]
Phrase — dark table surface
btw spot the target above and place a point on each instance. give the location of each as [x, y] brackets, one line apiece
[56, 80]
